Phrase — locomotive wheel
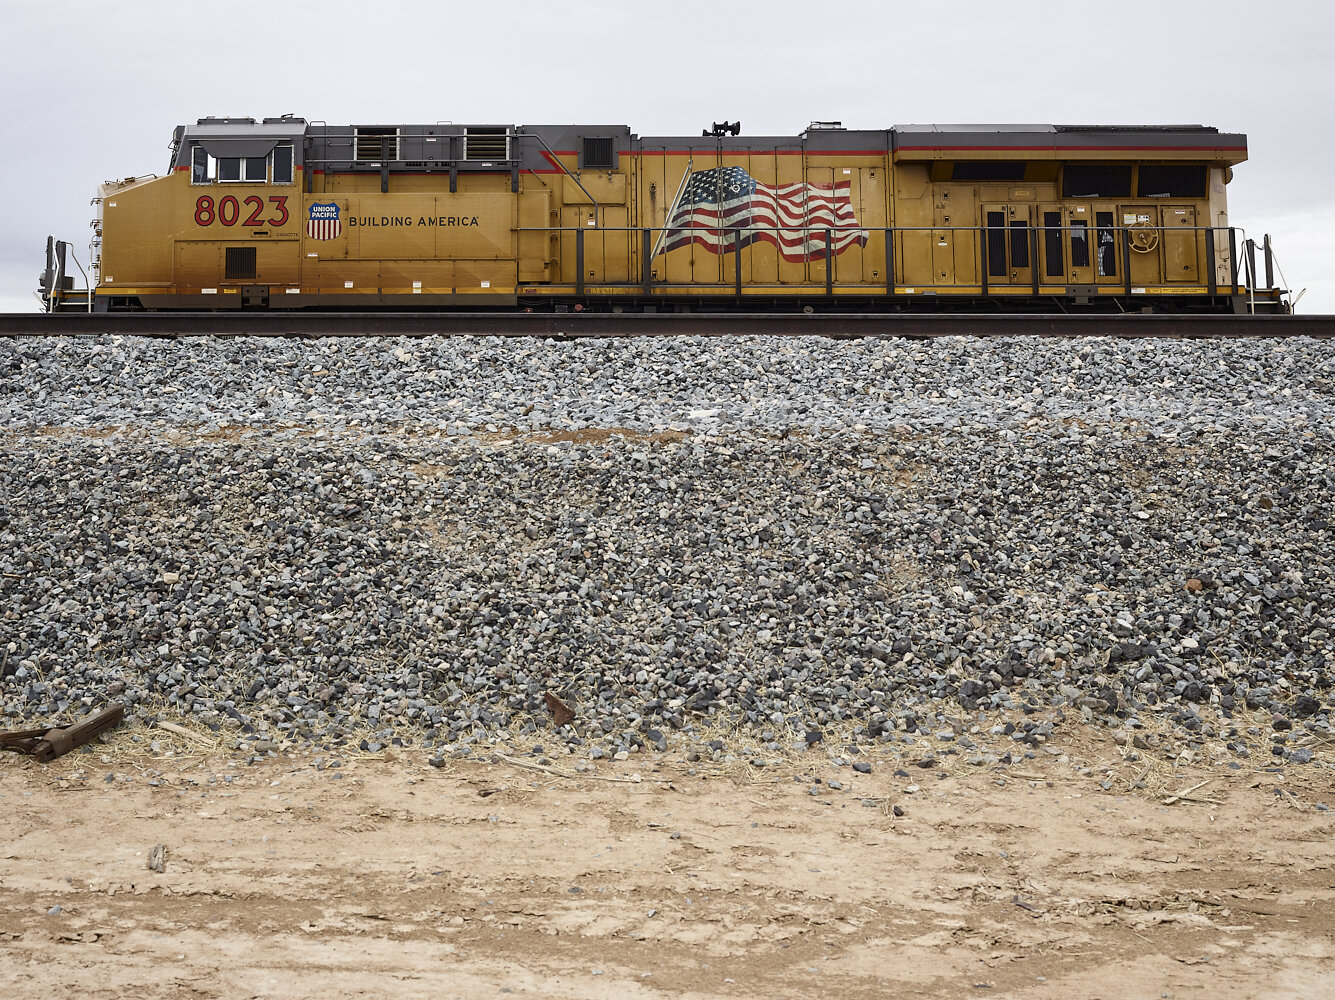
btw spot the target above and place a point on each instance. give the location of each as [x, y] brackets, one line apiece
[1144, 237]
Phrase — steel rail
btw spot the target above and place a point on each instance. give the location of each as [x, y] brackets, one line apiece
[574, 325]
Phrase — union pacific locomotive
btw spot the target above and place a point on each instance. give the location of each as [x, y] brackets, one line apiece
[289, 214]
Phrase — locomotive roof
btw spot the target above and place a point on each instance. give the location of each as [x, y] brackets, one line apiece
[1104, 141]
[334, 144]
[289, 126]
[1055, 128]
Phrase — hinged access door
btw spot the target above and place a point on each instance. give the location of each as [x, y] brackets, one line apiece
[1078, 235]
[1180, 257]
[1145, 239]
[1107, 246]
[1008, 245]
[954, 244]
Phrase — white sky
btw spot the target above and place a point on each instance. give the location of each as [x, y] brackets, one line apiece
[93, 88]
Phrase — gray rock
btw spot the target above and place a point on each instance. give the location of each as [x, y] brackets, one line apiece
[371, 541]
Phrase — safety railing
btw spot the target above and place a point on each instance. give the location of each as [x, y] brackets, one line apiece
[55, 288]
[1038, 260]
[1043, 260]
[450, 157]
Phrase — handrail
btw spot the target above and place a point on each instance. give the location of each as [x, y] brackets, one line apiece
[557, 160]
[452, 163]
[1036, 279]
[908, 266]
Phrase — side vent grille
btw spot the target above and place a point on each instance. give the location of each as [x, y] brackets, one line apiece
[988, 170]
[240, 263]
[486, 144]
[1169, 181]
[376, 144]
[1095, 180]
[598, 153]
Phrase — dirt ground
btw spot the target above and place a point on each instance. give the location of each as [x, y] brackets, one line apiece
[387, 877]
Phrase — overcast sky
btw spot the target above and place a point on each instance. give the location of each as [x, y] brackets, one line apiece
[92, 90]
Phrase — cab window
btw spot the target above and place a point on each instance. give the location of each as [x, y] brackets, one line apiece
[282, 163]
[206, 169]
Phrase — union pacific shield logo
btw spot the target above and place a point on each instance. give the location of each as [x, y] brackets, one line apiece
[323, 222]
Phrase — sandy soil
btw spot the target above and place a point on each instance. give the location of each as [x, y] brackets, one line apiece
[389, 878]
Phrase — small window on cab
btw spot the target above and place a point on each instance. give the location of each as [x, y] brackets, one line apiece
[199, 165]
[282, 164]
[256, 169]
[229, 168]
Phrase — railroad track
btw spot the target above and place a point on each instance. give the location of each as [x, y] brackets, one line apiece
[588, 324]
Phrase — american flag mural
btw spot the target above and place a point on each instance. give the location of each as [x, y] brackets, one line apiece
[715, 203]
[323, 223]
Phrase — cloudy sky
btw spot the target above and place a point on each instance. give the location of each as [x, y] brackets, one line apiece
[93, 88]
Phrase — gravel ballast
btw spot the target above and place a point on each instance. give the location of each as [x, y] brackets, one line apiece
[389, 541]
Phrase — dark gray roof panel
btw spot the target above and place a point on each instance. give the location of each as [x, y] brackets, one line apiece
[1057, 138]
[973, 128]
[332, 146]
[1137, 128]
[237, 137]
[830, 140]
[727, 142]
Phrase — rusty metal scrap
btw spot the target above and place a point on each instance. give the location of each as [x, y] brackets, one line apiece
[48, 744]
[562, 712]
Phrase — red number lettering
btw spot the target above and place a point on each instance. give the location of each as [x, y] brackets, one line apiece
[253, 219]
[203, 210]
[279, 200]
[228, 210]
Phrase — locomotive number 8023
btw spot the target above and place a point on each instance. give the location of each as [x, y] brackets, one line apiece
[287, 214]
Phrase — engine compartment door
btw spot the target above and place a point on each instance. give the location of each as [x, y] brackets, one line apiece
[1181, 261]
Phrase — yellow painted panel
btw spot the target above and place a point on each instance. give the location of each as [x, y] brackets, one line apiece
[385, 227]
[1181, 260]
[871, 212]
[495, 275]
[276, 263]
[335, 275]
[197, 265]
[852, 265]
[607, 248]
[137, 224]
[605, 188]
[408, 277]
[1146, 268]
[532, 242]
[570, 221]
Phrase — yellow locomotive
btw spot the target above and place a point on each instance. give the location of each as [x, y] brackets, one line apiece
[289, 214]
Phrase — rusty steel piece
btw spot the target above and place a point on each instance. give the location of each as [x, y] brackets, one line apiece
[562, 712]
[48, 744]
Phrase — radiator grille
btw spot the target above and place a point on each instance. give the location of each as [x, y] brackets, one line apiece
[599, 153]
[489, 144]
[240, 263]
[376, 144]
